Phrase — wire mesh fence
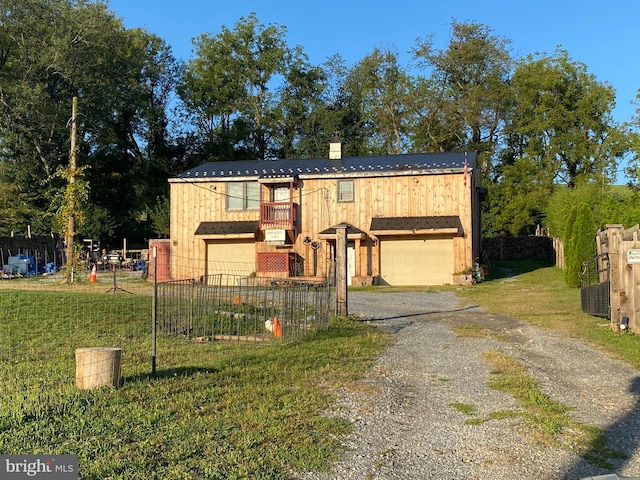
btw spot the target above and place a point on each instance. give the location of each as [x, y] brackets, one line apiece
[45, 322]
[232, 307]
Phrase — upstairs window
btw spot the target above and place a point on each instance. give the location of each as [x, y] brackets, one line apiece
[243, 196]
[345, 190]
[281, 194]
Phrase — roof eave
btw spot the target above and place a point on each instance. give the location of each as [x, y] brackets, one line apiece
[426, 231]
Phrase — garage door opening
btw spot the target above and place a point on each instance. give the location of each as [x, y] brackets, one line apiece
[231, 258]
[425, 260]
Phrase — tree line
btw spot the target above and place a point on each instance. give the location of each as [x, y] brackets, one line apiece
[541, 124]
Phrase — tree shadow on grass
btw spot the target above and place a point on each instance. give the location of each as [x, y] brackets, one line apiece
[165, 373]
[500, 269]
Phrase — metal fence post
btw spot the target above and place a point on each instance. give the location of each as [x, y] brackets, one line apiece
[154, 311]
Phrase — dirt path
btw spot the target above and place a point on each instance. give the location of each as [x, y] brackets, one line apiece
[407, 428]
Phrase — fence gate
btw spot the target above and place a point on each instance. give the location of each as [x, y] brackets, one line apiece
[595, 287]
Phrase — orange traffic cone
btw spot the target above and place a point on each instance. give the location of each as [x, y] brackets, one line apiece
[277, 330]
[93, 277]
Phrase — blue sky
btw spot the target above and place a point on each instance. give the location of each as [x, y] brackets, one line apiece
[605, 37]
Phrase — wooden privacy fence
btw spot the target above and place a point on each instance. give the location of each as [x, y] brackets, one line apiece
[514, 248]
[622, 249]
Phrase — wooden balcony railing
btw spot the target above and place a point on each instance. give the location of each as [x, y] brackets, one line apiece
[278, 215]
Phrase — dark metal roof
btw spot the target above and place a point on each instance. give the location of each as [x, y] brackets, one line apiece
[357, 166]
[224, 228]
[415, 223]
[351, 230]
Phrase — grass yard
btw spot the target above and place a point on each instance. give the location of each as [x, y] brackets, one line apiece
[536, 292]
[215, 410]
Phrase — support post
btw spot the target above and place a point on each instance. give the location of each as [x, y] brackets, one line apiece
[341, 271]
[613, 238]
[154, 311]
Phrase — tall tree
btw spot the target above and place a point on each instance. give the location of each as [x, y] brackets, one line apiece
[228, 88]
[302, 125]
[562, 119]
[463, 102]
[470, 81]
[211, 92]
[35, 100]
[385, 92]
[343, 112]
[53, 50]
[437, 126]
[518, 200]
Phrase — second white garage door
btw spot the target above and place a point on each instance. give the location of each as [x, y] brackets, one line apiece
[425, 260]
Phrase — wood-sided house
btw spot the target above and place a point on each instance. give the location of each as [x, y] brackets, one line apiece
[411, 219]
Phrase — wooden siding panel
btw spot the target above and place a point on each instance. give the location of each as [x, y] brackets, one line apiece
[387, 196]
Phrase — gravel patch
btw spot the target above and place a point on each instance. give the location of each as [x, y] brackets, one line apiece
[405, 426]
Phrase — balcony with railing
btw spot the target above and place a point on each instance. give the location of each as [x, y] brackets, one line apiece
[278, 215]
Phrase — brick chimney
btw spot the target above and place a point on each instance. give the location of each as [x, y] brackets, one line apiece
[335, 147]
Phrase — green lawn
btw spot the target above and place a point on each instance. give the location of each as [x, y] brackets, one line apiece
[536, 292]
[214, 411]
[217, 410]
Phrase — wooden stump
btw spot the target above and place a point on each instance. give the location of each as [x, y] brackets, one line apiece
[97, 367]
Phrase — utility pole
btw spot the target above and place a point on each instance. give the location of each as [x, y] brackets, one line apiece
[72, 179]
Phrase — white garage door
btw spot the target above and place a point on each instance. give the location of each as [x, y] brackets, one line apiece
[233, 258]
[416, 261]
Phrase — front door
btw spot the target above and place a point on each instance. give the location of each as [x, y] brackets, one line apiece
[282, 194]
[351, 259]
[351, 262]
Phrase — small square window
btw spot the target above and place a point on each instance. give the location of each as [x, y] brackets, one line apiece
[345, 190]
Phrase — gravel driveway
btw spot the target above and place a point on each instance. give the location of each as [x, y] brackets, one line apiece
[406, 428]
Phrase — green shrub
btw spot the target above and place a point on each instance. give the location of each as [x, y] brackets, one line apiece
[579, 243]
